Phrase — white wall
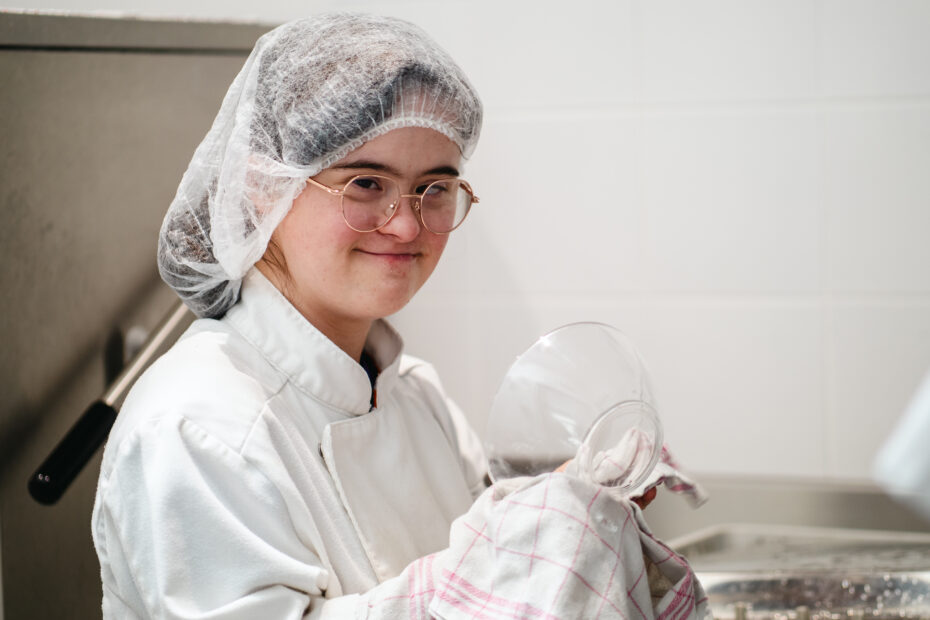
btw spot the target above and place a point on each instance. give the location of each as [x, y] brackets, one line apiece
[743, 186]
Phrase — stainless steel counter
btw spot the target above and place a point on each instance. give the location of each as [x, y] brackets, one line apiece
[783, 501]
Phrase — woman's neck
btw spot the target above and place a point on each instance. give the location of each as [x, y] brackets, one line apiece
[347, 334]
[350, 338]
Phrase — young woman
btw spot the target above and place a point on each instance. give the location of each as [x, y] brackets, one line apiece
[285, 450]
[285, 459]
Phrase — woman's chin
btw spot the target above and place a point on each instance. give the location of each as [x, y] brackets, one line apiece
[386, 309]
[390, 301]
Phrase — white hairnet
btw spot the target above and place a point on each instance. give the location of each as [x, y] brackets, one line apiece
[310, 92]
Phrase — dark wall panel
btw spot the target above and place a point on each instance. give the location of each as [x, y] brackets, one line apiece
[95, 139]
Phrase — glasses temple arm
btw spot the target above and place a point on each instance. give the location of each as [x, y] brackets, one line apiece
[335, 192]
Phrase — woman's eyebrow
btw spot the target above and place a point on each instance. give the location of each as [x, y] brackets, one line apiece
[373, 165]
[449, 170]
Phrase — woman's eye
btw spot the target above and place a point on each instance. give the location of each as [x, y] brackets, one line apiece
[366, 183]
[434, 189]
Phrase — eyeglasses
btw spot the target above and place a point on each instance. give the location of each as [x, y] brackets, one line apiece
[370, 201]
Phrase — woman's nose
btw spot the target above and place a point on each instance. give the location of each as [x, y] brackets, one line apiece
[405, 224]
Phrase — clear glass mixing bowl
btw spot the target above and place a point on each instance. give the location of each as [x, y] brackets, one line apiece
[580, 393]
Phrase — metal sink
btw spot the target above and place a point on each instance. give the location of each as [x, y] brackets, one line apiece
[760, 571]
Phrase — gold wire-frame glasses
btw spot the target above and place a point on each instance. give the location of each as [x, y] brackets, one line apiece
[369, 201]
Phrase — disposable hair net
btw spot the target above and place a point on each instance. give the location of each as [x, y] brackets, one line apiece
[310, 92]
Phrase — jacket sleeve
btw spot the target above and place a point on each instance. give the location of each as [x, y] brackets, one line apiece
[186, 528]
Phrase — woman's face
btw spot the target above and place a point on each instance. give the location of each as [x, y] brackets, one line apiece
[337, 277]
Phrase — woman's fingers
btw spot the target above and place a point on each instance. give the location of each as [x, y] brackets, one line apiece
[646, 498]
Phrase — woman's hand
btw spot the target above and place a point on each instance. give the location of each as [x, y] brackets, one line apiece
[646, 498]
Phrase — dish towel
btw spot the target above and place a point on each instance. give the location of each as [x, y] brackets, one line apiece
[669, 473]
[547, 547]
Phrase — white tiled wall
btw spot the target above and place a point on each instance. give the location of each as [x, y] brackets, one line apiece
[741, 185]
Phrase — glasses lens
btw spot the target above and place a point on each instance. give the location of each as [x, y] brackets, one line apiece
[369, 201]
[444, 205]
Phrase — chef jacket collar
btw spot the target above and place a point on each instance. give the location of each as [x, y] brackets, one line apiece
[310, 360]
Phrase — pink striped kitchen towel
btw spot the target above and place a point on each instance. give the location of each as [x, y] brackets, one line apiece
[555, 546]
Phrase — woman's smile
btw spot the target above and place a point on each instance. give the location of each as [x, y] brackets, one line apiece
[398, 257]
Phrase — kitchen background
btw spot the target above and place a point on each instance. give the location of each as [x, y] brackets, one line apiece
[741, 186]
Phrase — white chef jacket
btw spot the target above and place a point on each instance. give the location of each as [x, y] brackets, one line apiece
[248, 476]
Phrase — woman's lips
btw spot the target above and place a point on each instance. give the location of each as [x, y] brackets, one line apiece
[394, 258]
